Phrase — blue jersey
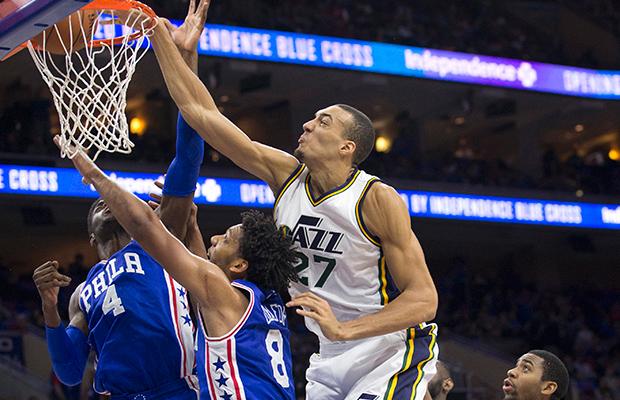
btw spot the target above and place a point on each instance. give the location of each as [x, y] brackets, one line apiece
[253, 361]
[139, 326]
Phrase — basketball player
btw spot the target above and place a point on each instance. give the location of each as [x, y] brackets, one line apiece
[538, 375]
[441, 384]
[348, 228]
[129, 311]
[243, 344]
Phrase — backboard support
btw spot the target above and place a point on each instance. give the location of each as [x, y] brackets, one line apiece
[21, 20]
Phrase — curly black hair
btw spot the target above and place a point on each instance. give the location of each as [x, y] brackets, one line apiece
[268, 251]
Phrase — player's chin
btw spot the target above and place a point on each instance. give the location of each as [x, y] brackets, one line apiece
[299, 154]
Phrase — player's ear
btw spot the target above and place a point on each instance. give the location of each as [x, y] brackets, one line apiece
[348, 147]
[239, 266]
[548, 388]
[92, 240]
[447, 385]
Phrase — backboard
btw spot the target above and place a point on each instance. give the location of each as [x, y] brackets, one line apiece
[21, 20]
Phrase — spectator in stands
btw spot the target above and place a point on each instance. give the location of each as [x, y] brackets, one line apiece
[538, 375]
[442, 383]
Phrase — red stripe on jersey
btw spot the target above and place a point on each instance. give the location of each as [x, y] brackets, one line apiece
[231, 362]
[241, 322]
[208, 370]
[191, 384]
[178, 329]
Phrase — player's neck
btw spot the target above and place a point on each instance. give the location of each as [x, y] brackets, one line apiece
[326, 179]
[107, 249]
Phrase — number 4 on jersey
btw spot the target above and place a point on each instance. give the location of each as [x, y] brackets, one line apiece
[112, 302]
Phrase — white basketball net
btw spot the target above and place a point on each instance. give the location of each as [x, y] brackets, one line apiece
[89, 87]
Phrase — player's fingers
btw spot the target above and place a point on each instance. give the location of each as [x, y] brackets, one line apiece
[153, 204]
[159, 184]
[308, 303]
[43, 266]
[169, 26]
[295, 302]
[44, 280]
[54, 283]
[62, 283]
[155, 196]
[57, 141]
[192, 7]
[308, 296]
[47, 278]
[43, 275]
[47, 268]
[203, 8]
[62, 277]
[309, 314]
[50, 274]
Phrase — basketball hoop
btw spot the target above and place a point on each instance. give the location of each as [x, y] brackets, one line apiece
[89, 77]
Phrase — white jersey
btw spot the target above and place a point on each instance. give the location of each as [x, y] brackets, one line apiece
[340, 260]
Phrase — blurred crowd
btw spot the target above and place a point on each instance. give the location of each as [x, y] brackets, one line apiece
[498, 309]
[605, 13]
[25, 127]
[576, 172]
[479, 26]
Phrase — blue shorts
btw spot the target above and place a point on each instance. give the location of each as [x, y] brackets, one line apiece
[177, 390]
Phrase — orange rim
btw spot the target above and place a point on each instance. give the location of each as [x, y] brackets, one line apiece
[120, 5]
[110, 5]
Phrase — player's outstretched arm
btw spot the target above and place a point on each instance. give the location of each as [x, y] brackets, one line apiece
[184, 169]
[200, 111]
[387, 217]
[198, 275]
[181, 178]
[68, 348]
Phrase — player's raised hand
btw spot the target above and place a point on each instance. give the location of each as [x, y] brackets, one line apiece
[80, 159]
[319, 310]
[155, 196]
[187, 35]
[49, 281]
